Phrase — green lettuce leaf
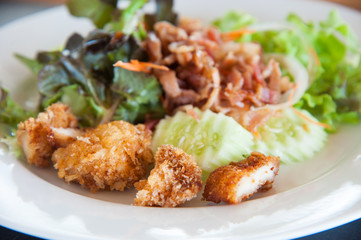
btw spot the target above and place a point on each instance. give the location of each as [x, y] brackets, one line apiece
[98, 11]
[11, 114]
[105, 14]
[34, 65]
[127, 21]
[233, 21]
[82, 75]
[333, 96]
[164, 12]
[88, 112]
[141, 93]
[331, 52]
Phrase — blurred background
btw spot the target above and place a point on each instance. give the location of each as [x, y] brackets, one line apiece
[350, 3]
[12, 9]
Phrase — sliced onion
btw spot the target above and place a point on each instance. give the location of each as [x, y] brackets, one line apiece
[299, 74]
[278, 26]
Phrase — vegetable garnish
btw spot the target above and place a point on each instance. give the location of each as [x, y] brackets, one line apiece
[291, 137]
[191, 112]
[329, 49]
[235, 34]
[315, 56]
[301, 114]
[136, 66]
[213, 140]
[262, 88]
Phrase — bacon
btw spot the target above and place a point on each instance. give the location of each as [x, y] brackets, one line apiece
[236, 79]
[267, 95]
[168, 33]
[179, 47]
[248, 82]
[212, 99]
[214, 35]
[183, 58]
[251, 119]
[209, 73]
[169, 82]
[258, 75]
[169, 60]
[192, 78]
[150, 124]
[190, 25]
[186, 97]
[275, 78]
[153, 47]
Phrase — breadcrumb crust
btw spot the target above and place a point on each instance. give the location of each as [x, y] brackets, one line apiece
[175, 179]
[112, 156]
[222, 183]
[33, 134]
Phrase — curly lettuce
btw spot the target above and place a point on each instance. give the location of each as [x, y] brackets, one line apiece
[331, 52]
[10, 114]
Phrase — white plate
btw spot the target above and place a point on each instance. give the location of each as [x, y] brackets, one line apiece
[308, 197]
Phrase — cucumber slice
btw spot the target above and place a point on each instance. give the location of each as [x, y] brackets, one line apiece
[290, 137]
[215, 140]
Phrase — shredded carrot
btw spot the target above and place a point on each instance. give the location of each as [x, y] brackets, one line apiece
[232, 35]
[116, 37]
[136, 66]
[315, 56]
[190, 111]
[305, 127]
[301, 114]
[256, 134]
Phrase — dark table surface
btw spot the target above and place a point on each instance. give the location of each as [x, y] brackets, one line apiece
[10, 11]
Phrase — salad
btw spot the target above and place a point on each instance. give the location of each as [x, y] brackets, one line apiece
[218, 92]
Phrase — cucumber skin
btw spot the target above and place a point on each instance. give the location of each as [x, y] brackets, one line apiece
[214, 141]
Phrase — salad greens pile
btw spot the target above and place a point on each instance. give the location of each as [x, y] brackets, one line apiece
[82, 74]
[329, 49]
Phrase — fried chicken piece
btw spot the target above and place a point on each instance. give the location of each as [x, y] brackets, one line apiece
[32, 134]
[112, 156]
[240, 180]
[175, 179]
[62, 137]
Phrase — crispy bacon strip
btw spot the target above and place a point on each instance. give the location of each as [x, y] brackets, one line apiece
[210, 71]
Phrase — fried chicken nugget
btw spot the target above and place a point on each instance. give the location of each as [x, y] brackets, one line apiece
[33, 134]
[175, 179]
[112, 156]
[240, 180]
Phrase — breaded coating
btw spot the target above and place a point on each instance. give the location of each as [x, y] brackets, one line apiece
[175, 179]
[240, 180]
[112, 156]
[32, 134]
[58, 115]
